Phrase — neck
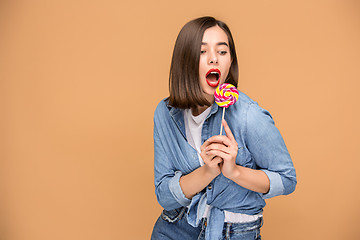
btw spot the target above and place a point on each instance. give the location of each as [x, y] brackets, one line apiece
[200, 109]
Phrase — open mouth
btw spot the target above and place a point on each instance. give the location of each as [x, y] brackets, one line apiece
[213, 77]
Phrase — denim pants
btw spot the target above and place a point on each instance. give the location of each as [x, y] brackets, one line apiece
[173, 225]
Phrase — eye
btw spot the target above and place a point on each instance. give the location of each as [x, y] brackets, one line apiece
[222, 52]
[202, 51]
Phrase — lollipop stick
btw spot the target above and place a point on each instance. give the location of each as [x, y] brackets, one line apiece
[222, 120]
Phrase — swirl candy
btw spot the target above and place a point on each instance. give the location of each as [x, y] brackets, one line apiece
[226, 94]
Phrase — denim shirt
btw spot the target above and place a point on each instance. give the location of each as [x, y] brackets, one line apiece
[260, 146]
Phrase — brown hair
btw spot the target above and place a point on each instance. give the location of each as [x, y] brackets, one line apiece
[184, 85]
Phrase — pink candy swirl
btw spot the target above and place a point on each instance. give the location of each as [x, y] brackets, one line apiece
[226, 94]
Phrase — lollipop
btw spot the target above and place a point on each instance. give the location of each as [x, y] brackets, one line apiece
[225, 95]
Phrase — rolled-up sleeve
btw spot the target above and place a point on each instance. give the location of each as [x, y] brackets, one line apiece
[276, 184]
[167, 186]
[269, 151]
[175, 189]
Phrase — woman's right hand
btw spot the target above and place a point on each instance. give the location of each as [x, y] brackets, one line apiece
[212, 163]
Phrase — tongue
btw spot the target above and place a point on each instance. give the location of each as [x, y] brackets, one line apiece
[211, 78]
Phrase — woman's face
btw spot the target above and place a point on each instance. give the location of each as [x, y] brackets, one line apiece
[215, 61]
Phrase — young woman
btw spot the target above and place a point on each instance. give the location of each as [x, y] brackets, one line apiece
[212, 186]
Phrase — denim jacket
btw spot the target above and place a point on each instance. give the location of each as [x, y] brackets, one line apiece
[260, 145]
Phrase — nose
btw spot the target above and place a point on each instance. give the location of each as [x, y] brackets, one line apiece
[213, 59]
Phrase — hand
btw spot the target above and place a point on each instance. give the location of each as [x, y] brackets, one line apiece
[226, 148]
[212, 163]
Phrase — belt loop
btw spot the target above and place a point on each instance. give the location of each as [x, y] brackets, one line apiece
[227, 234]
[182, 211]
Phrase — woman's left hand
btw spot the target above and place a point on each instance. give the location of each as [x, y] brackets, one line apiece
[225, 147]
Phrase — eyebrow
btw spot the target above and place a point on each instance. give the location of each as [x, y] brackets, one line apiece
[218, 44]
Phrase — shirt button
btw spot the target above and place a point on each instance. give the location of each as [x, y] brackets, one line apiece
[209, 187]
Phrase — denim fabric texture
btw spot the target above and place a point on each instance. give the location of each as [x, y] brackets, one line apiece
[173, 225]
[237, 231]
[261, 147]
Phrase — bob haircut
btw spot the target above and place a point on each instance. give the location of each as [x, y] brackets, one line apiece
[184, 85]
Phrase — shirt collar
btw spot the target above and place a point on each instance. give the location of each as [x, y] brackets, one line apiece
[176, 113]
[178, 116]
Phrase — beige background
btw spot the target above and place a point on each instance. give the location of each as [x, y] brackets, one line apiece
[79, 82]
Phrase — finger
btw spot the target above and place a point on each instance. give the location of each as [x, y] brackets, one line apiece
[221, 164]
[220, 139]
[205, 144]
[206, 156]
[217, 160]
[220, 154]
[218, 146]
[228, 131]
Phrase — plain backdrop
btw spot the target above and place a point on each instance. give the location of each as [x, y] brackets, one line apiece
[79, 83]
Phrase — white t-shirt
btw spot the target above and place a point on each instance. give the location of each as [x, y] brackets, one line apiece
[193, 128]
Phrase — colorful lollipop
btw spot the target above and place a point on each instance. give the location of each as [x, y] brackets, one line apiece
[225, 95]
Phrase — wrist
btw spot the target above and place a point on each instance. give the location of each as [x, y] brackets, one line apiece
[209, 173]
[235, 174]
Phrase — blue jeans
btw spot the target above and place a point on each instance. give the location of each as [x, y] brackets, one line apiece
[173, 225]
